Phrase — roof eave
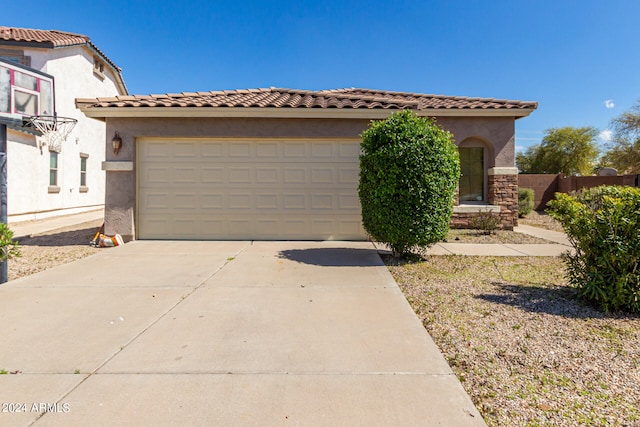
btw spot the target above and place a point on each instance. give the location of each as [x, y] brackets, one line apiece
[274, 112]
[21, 43]
[117, 71]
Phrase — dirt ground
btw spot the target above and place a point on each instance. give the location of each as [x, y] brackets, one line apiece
[527, 351]
[46, 250]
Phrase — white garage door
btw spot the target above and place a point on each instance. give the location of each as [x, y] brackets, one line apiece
[242, 189]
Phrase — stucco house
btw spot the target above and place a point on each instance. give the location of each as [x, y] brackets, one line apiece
[43, 182]
[279, 163]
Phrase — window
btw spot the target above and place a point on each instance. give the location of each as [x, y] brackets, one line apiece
[472, 179]
[53, 172]
[98, 67]
[83, 172]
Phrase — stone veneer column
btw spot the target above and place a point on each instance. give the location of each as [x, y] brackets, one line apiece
[503, 192]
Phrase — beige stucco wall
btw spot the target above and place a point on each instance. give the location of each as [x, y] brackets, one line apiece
[121, 185]
[499, 132]
[28, 165]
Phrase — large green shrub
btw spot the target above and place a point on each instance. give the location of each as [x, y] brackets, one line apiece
[409, 171]
[603, 225]
[525, 201]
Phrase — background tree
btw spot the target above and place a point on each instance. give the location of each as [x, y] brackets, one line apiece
[623, 152]
[409, 172]
[567, 150]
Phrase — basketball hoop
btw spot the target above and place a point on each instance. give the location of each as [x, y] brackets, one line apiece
[54, 129]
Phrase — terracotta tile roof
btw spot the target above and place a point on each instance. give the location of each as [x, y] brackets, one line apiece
[292, 98]
[437, 101]
[49, 39]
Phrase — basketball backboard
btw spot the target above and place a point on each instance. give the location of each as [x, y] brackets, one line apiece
[24, 92]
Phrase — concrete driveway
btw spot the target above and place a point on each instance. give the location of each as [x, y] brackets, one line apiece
[221, 333]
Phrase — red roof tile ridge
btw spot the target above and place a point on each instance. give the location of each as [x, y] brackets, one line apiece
[416, 94]
[295, 98]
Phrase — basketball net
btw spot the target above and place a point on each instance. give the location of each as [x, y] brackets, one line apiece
[54, 130]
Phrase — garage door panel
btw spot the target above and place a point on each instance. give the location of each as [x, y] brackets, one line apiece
[321, 150]
[293, 227]
[154, 226]
[240, 226]
[212, 174]
[185, 175]
[322, 201]
[295, 201]
[349, 227]
[227, 189]
[240, 150]
[349, 175]
[348, 151]
[268, 175]
[322, 226]
[268, 201]
[295, 150]
[187, 227]
[348, 201]
[240, 175]
[322, 175]
[211, 201]
[294, 175]
[156, 150]
[212, 226]
[213, 150]
[240, 201]
[182, 201]
[268, 150]
[155, 175]
[186, 151]
[153, 201]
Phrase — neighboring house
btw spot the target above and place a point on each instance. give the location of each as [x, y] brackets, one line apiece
[41, 182]
[280, 163]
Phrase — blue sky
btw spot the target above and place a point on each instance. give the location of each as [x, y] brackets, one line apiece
[579, 59]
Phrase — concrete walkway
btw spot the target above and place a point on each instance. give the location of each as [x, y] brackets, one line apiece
[222, 333]
[553, 236]
[558, 244]
[29, 228]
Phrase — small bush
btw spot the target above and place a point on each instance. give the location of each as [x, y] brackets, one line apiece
[525, 201]
[603, 225]
[485, 222]
[8, 247]
[409, 171]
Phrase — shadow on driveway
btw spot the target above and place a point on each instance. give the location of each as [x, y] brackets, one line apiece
[334, 257]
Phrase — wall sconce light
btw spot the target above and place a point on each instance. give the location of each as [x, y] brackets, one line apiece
[116, 142]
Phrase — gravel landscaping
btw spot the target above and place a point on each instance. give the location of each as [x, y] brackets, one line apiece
[541, 220]
[46, 250]
[498, 236]
[525, 350]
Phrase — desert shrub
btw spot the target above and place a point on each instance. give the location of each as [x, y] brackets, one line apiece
[525, 201]
[8, 247]
[409, 171]
[484, 222]
[603, 225]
